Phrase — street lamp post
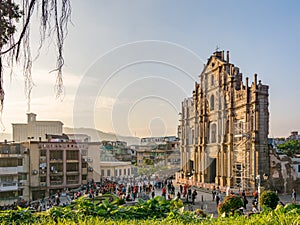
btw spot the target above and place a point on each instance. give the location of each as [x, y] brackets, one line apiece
[259, 187]
[258, 190]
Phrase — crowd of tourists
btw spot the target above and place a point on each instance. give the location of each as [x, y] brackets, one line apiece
[131, 189]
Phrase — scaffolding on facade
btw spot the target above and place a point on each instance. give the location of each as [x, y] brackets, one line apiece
[241, 149]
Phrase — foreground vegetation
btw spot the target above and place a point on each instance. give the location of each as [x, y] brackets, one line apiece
[111, 210]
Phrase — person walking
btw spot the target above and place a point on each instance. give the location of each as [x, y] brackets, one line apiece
[217, 197]
[153, 192]
[189, 195]
[178, 195]
[164, 192]
[294, 196]
[213, 193]
[180, 188]
[244, 199]
[194, 194]
[220, 197]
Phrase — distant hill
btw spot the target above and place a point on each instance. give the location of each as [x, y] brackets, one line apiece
[97, 135]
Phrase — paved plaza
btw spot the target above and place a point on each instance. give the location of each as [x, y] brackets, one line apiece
[204, 200]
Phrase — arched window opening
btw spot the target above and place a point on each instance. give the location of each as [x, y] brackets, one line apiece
[213, 133]
[212, 102]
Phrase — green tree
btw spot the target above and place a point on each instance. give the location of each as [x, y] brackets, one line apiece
[230, 205]
[290, 147]
[54, 18]
[148, 161]
[269, 199]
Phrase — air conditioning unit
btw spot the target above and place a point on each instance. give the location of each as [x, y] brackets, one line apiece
[90, 160]
[34, 172]
[91, 169]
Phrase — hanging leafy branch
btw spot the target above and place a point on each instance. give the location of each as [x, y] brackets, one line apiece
[55, 16]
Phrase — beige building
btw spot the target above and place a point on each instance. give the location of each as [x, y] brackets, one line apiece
[13, 176]
[224, 128]
[34, 169]
[159, 151]
[35, 130]
[115, 160]
[56, 166]
[31, 170]
[116, 169]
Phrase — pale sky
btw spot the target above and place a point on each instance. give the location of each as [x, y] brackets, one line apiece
[129, 64]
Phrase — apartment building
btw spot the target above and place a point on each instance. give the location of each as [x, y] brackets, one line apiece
[13, 173]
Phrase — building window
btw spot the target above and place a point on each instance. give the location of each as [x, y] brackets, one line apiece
[102, 173]
[212, 81]
[43, 152]
[213, 133]
[72, 155]
[298, 168]
[22, 177]
[8, 162]
[20, 192]
[128, 172]
[72, 167]
[56, 155]
[108, 172]
[124, 172]
[212, 102]
[120, 172]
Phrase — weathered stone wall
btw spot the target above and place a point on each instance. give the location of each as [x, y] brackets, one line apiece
[283, 176]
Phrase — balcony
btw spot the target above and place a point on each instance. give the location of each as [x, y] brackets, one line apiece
[43, 184]
[42, 158]
[56, 173]
[9, 186]
[22, 183]
[72, 181]
[72, 160]
[74, 172]
[84, 170]
[56, 160]
[43, 172]
[8, 170]
[9, 200]
[55, 183]
[21, 169]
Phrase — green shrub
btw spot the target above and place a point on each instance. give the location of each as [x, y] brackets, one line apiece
[269, 199]
[230, 204]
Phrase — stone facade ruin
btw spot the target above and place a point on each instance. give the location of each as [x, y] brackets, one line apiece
[224, 128]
